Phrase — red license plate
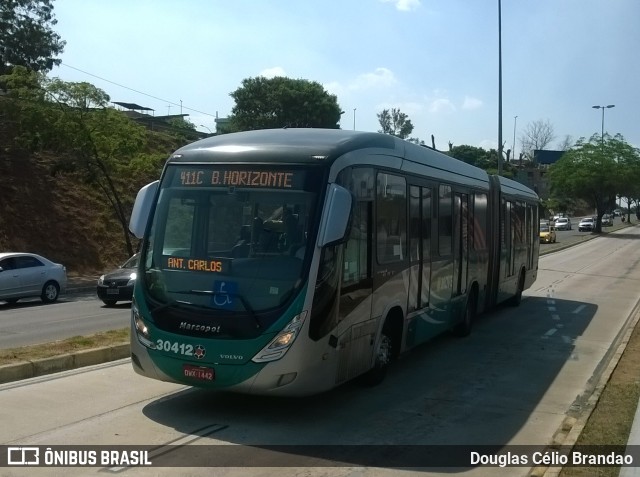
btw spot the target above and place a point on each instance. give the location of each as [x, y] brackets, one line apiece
[198, 372]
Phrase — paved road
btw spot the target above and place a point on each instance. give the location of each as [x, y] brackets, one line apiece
[33, 322]
[513, 381]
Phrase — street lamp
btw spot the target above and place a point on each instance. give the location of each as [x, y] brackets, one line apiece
[603, 108]
[354, 118]
[499, 87]
[203, 126]
[513, 148]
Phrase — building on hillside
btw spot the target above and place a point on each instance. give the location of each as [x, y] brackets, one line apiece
[139, 114]
[534, 175]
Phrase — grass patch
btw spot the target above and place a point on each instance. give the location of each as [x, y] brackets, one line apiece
[70, 345]
[611, 420]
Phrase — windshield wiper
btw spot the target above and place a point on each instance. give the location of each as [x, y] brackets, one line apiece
[168, 304]
[244, 302]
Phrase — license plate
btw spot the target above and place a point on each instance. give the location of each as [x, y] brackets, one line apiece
[198, 372]
[113, 291]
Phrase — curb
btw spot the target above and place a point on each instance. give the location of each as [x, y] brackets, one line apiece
[65, 362]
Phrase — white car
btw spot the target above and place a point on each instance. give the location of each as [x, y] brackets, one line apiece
[25, 275]
[563, 223]
[587, 224]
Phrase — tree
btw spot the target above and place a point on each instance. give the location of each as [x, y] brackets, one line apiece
[26, 37]
[536, 135]
[566, 143]
[628, 162]
[395, 123]
[97, 139]
[278, 102]
[595, 171]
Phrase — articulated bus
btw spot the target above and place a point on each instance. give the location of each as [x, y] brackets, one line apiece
[287, 262]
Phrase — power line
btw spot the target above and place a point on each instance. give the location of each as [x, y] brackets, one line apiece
[135, 90]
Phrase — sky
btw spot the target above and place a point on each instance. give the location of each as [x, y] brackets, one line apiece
[435, 60]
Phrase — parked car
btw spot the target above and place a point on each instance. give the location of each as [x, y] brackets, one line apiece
[117, 285]
[607, 220]
[547, 233]
[563, 223]
[587, 224]
[26, 275]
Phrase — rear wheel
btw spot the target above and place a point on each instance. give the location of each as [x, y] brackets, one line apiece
[50, 292]
[464, 327]
[11, 301]
[517, 298]
[109, 302]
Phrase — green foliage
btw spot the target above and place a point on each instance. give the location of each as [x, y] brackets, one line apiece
[476, 156]
[263, 103]
[596, 171]
[395, 123]
[182, 123]
[26, 37]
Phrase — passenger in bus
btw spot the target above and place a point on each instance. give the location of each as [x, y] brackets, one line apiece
[242, 248]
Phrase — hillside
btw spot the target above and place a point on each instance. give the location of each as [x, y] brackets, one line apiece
[61, 216]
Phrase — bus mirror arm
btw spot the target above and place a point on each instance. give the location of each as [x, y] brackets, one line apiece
[336, 215]
[142, 209]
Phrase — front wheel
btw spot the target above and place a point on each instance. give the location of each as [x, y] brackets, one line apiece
[50, 292]
[377, 374]
[109, 302]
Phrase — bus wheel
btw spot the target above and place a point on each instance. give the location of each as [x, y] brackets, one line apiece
[517, 298]
[377, 374]
[464, 327]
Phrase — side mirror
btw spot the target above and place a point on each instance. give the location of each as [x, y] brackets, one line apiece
[142, 209]
[336, 215]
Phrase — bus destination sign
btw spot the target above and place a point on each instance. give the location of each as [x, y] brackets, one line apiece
[196, 265]
[230, 177]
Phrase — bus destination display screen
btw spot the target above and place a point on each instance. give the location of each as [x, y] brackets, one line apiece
[238, 177]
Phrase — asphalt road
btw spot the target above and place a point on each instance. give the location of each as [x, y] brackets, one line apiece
[514, 380]
[31, 322]
[80, 313]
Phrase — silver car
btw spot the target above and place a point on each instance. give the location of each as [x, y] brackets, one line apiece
[25, 275]
[563, 223]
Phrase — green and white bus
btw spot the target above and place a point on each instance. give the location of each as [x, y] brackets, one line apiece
[289, 261]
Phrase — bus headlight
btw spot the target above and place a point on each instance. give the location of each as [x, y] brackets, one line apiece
[142, 332]
[279, 345]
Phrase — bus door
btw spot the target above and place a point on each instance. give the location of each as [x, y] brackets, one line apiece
[421, 326]
[441, 288]
[460, 243]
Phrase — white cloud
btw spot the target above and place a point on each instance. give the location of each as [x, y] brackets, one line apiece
[380, 77]
[273, 72]
[471, 103]
[404, 5]
[441, 105]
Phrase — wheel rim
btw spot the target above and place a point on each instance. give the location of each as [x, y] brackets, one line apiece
[51, 292]
[384, 351]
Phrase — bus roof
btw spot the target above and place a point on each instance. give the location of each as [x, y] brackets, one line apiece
[282, 145]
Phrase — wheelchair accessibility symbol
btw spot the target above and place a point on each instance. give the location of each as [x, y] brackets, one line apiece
[224, 291]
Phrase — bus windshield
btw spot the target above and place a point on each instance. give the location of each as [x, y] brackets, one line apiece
[230, 238]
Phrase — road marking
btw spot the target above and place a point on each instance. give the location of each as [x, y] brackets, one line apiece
[579, 309]
[555, 317]
[176, 444]
[549, 333]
